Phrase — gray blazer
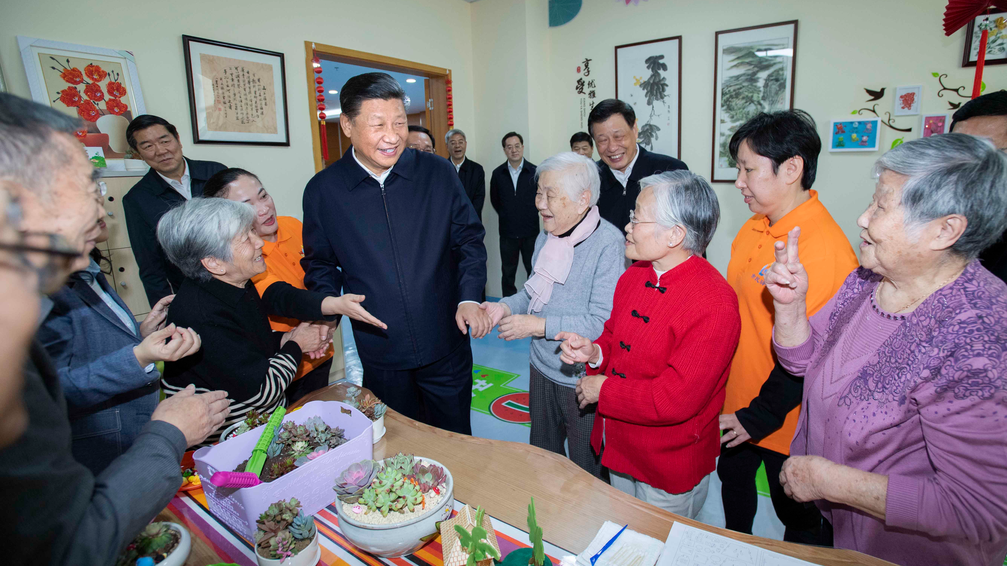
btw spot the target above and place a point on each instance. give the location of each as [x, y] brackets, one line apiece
[109, 396]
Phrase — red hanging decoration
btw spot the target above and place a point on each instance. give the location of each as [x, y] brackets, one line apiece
[960, 12]
[980, 63]
[322, 134]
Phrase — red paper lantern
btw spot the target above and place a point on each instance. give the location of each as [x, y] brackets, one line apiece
[321, 107]
[321, 115]
[320, 98]
[319, 89]
[449, 90]
[318, 70]
[316, 60]
[319, 80]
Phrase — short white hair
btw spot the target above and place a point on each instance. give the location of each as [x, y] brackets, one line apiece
[683, 198]
[201, 228]
[447, 136]
[577, 174]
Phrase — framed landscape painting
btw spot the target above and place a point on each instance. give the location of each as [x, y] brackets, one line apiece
[753, 73]
[648, 76]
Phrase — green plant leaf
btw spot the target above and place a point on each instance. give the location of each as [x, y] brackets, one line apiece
[982, 86]
[854, 112]
[897, 142]
[935, 74]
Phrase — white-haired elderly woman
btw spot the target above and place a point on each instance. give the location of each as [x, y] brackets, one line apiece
[213, 242]
[902, 438]
[658, 371]
[578, 258]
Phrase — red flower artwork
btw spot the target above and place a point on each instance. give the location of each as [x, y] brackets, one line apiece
[95, 73]
[72, 76]
[70, 96]
[907, 100]
[94, 92]
[80, 133]
[116, 106]
[88, 111]
[115, 89]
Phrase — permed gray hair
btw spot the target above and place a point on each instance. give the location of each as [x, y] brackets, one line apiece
[683, 198]
[579, 174]
[29, 155]
[953, 174]
[447, 136]
[201, 228]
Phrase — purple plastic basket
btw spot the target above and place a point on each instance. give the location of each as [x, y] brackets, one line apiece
[311, 484]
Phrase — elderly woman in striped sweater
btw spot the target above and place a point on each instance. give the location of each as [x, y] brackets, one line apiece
[213, 242]
[658, 371]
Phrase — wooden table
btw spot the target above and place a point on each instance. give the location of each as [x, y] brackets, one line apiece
[571, 504]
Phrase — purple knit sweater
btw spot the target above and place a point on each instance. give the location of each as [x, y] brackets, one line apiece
[922, 401]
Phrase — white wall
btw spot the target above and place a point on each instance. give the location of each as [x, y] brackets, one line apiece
[153, 32]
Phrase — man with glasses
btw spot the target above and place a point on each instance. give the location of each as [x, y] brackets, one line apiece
[986, 117]
[471, 173]
[59, 512]
[512, 193]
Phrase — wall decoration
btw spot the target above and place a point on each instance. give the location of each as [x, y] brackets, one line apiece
[875, 94]
[753, 72]
[907, 100]
[934, 124]
[563, 11]
[98, 85]
[996, 42]
[237, 94]
[648, 76]
[889, 121]
[958, 91]
[586, 90]
[855, 135]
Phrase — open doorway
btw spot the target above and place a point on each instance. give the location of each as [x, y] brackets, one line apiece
[426, 86]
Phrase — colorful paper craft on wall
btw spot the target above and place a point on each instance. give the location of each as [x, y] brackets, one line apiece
[855, 135]
[934, 124]
[562, 11]
[907, 100]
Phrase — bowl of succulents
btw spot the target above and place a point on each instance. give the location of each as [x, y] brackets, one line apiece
[285, 536]
[371, 407]
[392, 507]
[167, 544]
[254, 419]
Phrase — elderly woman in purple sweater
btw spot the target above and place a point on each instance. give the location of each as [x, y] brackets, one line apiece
[902, 438]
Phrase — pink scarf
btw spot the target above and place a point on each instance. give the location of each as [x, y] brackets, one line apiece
[555, 260]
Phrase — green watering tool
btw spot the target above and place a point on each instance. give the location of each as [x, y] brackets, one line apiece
[258, 458]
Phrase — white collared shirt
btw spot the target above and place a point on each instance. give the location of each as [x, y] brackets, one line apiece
[379, 178]
[184, 187]
[623, 177]
[515, 173]
[458, 167]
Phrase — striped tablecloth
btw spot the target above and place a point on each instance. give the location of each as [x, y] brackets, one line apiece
[336, 549]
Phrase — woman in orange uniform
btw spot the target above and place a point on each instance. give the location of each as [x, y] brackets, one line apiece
[777, 157]
[282, 251]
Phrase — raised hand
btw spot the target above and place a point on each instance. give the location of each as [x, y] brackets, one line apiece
[496, 311]
[167, 344]
[155, 318]
[576, 349]
[787, 281]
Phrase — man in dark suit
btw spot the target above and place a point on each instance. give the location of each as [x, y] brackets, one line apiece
[172, 180]
[471, 173]
[512, 193]
[58, 511]
[612, 124]
[393, 224]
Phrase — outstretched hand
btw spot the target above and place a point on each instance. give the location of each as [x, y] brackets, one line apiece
[787, 281]
[496, 311]
[576, 349]
[472, 315]
[349, 304]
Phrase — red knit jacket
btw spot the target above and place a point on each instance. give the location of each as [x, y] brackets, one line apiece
[666, 352]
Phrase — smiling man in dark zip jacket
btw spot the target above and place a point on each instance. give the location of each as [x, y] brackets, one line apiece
[382, 222]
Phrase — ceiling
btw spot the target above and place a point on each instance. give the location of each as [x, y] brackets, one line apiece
[336, 74]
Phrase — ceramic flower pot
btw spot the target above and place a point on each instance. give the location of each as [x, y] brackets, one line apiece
[181, 552]
[400, 539]
[307, 557]
[378, 427]
[115, 128]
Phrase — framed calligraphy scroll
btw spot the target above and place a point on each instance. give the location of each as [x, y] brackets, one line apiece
[237, 94]
[648, 76]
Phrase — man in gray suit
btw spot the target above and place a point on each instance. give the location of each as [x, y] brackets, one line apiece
[59, 512]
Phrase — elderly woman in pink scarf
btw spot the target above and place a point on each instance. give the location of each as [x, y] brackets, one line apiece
[578, 260]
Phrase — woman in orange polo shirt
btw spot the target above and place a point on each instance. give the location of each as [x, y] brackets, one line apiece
[282, 251]
[777, 156]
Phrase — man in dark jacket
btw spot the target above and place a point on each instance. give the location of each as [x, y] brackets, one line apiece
[623, 162]
[58, 511]
[512, 193]
[471, 173]
[172, 180]
[394, 224]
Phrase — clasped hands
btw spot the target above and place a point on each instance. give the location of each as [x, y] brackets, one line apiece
[511, 326]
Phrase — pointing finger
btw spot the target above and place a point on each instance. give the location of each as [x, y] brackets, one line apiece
[792, 239]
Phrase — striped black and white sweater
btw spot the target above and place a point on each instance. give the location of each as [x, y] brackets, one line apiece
[240, 353]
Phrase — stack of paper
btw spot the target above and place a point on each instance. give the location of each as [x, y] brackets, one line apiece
[630, 549]
[689, 546]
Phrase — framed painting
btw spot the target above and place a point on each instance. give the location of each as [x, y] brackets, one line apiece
[753, 72]
[98, 85]
[237, 95]
[855, 135]
[996, 39]
[907, 100]
[648, 76]
[934, 124]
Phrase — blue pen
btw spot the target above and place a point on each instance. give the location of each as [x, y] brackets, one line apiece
[607, 544]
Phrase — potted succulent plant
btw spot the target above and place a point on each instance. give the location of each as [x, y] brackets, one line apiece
[254, 419]
[294, 445]
[285, 536]
[371, 407]
[167, 544]
[392, 508]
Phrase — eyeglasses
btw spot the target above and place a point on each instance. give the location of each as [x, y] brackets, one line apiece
[58, 253]
[634, 221]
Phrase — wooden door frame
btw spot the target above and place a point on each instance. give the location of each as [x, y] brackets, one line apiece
[364, 59]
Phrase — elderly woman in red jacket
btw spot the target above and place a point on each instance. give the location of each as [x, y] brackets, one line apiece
[659, 369]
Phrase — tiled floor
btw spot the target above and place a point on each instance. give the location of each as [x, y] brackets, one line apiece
[499, 412]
